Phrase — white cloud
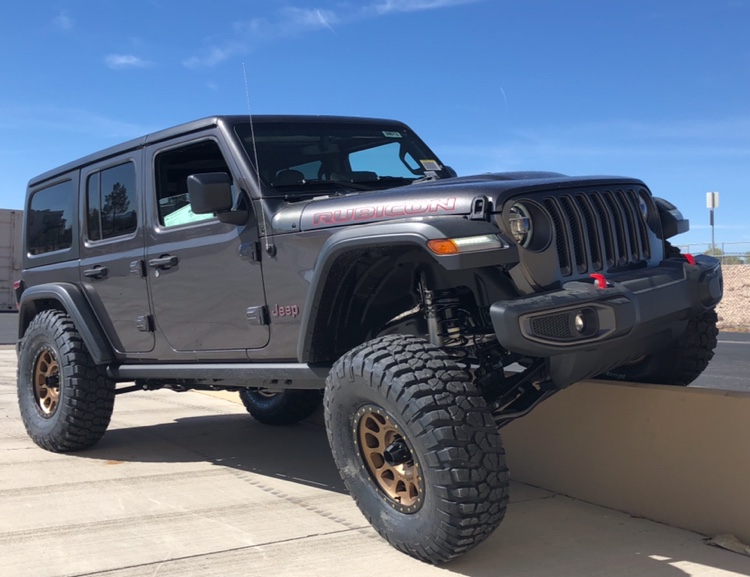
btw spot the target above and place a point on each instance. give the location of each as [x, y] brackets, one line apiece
[301, 19]
[291, 21]
[389, 6]
[63, 21]
[71, 120]
[120, 61]
[213, 56]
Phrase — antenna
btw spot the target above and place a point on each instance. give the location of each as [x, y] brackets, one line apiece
[270, 249]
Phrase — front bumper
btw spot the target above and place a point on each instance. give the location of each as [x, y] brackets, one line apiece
[585, 330]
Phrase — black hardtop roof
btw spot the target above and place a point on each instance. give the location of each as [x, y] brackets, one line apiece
[195, 126]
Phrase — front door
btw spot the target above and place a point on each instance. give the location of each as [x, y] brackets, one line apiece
[205, 278]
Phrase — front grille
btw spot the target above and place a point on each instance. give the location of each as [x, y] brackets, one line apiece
[598, 230]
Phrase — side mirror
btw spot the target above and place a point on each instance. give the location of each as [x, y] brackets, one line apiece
[211, 193]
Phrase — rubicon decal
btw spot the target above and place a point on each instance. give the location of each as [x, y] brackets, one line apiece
[364, 213]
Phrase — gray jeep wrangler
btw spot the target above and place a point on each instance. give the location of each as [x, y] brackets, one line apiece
[283, 256]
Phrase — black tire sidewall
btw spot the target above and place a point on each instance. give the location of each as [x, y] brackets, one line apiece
[284, 408]
[38, 426]
[261, 402]
[342, 424]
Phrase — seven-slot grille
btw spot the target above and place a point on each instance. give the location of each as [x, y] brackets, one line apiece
[597, 230]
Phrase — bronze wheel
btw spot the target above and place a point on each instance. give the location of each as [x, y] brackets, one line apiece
[46, 382]
[389, 459]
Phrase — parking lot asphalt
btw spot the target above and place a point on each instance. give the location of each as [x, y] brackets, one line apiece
[188, 484]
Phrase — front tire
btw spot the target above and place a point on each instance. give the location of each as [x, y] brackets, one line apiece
[416, 446]
[66, 401]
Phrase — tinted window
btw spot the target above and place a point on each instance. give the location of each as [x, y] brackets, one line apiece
[172, 169]
[111, 202]
[50, 219]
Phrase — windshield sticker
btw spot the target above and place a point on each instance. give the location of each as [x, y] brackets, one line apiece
[391, 134]
[430, 164]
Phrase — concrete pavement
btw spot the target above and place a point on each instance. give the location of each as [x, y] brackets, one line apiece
[190, 485]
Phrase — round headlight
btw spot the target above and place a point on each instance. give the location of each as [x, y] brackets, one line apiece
[521, 226]
[643, 206]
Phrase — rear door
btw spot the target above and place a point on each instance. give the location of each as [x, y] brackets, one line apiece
[112, 270]
[205, 276]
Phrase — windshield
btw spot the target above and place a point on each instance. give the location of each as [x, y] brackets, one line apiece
[300, 156]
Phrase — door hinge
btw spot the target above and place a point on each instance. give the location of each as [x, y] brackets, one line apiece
[257, 315]
[145, 323]
[250, 250]
[138, 267]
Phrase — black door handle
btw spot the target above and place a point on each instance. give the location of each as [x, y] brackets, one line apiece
[96, 272]
[163, 262]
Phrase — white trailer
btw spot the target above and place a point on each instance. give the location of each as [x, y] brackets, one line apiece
[11, 247]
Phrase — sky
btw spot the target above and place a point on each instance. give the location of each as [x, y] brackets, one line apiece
[654, 89]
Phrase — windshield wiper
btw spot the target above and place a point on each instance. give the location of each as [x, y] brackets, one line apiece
[316, 185]
[429, 176]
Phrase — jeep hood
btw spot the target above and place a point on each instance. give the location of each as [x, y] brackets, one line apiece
[452, 196]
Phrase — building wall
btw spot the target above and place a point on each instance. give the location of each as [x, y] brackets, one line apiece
[677, 455]
[11, 225]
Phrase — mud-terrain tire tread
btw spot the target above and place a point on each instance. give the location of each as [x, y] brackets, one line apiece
[285, 408]
[87, 394]
[454, 436]
[680, 363]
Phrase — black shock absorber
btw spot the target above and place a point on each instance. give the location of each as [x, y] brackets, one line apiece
[448, 324]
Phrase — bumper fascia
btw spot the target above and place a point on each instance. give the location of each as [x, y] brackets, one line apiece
[636, 313]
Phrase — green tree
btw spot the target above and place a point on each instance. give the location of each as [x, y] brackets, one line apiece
[116, 203]
[725, 258]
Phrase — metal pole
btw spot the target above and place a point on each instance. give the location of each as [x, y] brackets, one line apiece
[713, 239]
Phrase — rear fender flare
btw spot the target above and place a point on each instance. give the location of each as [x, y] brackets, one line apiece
[72, 301]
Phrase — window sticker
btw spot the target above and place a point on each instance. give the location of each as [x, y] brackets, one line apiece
[184, 215]
[391, 134]
[430, 164]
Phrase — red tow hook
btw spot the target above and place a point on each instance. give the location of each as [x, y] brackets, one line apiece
[599, 280]
[690, 258]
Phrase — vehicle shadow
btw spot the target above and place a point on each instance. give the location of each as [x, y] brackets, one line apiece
[298, 453]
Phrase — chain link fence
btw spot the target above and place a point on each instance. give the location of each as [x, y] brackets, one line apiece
[734, 308]
[727, 252]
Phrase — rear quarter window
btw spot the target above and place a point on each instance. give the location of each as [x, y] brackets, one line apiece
[49, 223]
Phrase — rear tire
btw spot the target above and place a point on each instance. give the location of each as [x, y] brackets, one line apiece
[680, 363]
[66, 401]
[283, 408]
[416, 446]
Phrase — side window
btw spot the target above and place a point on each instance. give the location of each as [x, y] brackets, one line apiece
[111, 202]
[50, 219]
[172, 167]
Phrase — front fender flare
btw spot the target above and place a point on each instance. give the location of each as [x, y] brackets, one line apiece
[407, 233]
